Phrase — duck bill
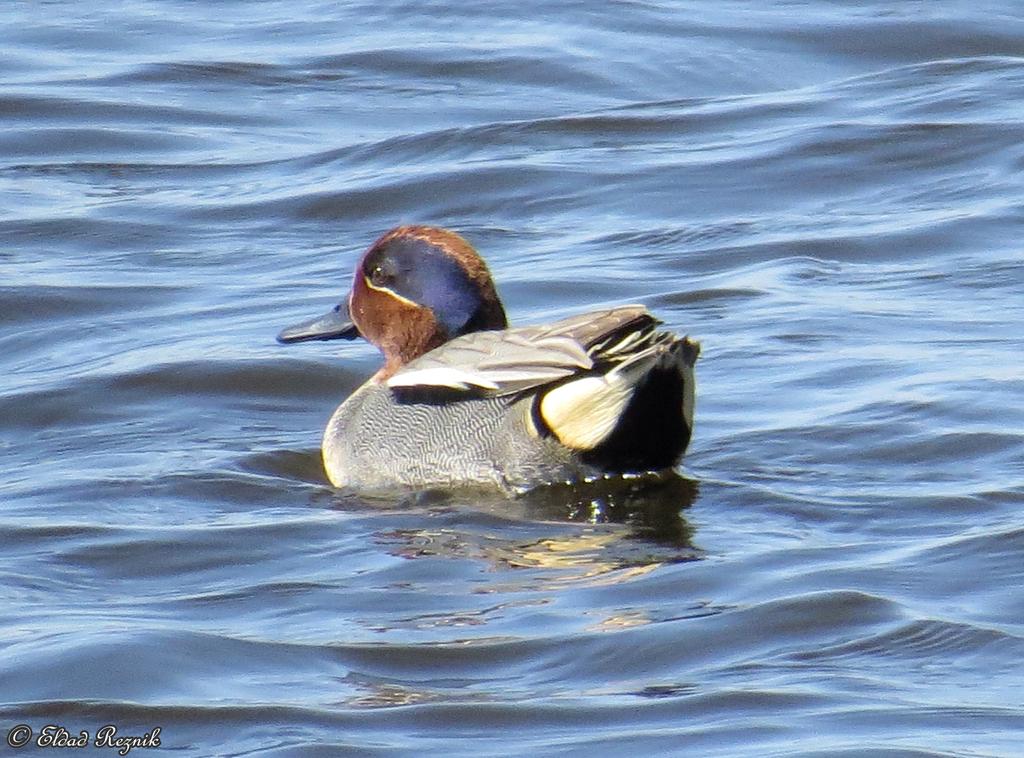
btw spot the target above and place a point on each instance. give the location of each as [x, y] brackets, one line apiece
[336, 324]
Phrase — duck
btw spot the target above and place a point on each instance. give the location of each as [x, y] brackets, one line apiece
[464, 400]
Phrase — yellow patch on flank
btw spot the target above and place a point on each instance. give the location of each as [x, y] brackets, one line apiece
[584, 412]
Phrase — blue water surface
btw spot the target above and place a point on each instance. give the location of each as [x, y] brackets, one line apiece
[828, 195]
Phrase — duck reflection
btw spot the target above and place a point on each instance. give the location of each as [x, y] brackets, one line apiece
[624, 527]
[487, 574]
[650, 505]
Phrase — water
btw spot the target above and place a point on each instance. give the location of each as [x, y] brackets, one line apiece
[828, 195]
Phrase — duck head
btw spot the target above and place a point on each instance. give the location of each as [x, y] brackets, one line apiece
[415, 288]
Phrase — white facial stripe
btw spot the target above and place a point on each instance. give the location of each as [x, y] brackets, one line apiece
[390, 292]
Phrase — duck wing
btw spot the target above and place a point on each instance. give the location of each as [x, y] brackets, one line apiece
[514, 360]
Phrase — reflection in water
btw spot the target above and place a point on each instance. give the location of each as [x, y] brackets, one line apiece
[616, 528]
[651, 504]
[521, 559]
[377, 692]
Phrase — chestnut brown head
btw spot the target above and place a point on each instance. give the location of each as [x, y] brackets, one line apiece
[415, 288]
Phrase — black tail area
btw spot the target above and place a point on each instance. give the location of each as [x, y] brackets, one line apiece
[655, 428]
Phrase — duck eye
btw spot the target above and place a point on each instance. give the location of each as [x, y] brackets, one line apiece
[378, 277]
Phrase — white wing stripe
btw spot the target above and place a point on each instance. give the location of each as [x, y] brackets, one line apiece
[441, 376]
